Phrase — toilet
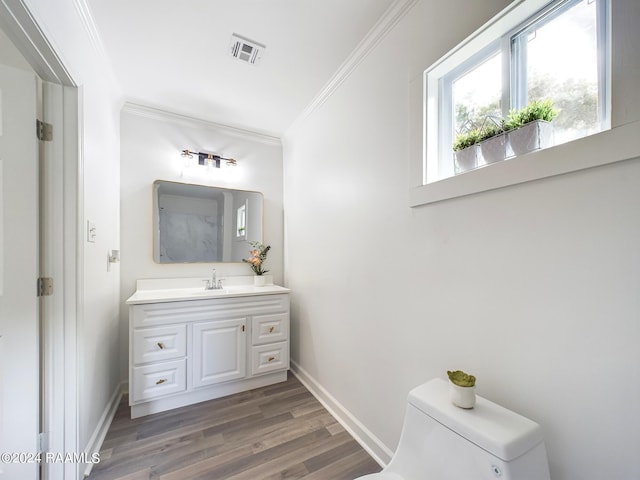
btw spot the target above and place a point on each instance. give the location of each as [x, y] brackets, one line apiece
[440, 441]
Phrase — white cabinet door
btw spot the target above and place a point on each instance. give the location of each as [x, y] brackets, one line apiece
[219, 351]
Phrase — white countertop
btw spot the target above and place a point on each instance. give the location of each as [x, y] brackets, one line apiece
[174, 290]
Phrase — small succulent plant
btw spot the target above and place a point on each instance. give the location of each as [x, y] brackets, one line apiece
[461, 379]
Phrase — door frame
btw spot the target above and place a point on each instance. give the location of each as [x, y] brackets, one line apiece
[61, 187]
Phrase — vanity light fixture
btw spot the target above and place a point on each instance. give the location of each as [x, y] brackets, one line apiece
[209, 159]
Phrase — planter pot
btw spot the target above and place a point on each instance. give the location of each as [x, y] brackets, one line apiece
[466, 159]
[463, 397]
[259, 280]
[530, 137]
[494, 149]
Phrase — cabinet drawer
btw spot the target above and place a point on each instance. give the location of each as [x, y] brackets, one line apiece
[159, 379]
[270, 328]
[268, 358]
[159, 343]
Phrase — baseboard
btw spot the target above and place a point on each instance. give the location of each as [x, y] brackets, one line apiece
[372, 444]
[95, 442]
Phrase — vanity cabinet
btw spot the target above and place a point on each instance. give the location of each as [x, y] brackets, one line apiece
[188, 351]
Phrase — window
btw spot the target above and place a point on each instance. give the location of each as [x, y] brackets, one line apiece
[556, 52]
[241, 221]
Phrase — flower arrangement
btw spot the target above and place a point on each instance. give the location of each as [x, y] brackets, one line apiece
[257, 257]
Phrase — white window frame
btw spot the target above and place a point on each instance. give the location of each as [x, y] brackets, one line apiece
[501, 28]
[445, 97]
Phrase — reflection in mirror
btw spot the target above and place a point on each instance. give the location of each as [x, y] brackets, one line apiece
[196, 223]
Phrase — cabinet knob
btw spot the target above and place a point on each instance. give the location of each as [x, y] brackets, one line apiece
[161, 345]
[271, 329]
[271, 359]
[161, 381]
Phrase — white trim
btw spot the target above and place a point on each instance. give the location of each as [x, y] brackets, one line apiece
[361, 434]
[89, 24]
[90, 27]
[52, 265]
[192, 122]
[95, 442]
[611, 146]
[397, 10]
[73, 270]
[23, 30]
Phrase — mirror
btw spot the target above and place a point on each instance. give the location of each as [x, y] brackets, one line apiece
[197, 224]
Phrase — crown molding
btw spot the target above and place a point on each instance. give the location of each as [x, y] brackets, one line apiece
[89, 24]
[192, 122]
[395, 13]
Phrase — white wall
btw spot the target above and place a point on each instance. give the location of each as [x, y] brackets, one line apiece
[151, 142]
[533, 288]
[66, 28]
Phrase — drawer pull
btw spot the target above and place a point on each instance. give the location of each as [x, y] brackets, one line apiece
[271, 329]
[161, 345]
[161, 381]
[271, 359]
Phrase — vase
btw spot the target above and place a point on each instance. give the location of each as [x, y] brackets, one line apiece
[466, 159]
[259, 281]
[463, 397]
[532, 136]
[494, 149]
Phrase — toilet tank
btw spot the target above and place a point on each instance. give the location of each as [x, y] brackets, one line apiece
[441, 441]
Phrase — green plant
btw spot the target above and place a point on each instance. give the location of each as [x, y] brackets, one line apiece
[465, 140]
[461, 379]
[257, 257]
[535, 110]
[491, 130]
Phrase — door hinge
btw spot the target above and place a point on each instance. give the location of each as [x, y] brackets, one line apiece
[45, 286]
[44, 131]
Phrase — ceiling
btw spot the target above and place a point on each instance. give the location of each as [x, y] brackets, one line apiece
[173, 54]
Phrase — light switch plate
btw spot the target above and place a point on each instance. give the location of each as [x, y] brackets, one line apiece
[91, 232]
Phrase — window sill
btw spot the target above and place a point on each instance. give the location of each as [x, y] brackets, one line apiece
[611, 146]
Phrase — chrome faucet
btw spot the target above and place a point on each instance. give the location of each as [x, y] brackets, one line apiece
[212, 284]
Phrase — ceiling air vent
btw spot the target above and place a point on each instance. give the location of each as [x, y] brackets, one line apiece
[245, 50]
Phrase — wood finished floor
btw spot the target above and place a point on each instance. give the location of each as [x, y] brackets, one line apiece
[275, 432]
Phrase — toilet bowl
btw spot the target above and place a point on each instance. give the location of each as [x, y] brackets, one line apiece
[440, 441]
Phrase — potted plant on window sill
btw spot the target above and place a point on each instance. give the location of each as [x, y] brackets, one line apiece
[530, 128]
[466, 151]
[493, 140]
[257, 257]
[462, 388]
